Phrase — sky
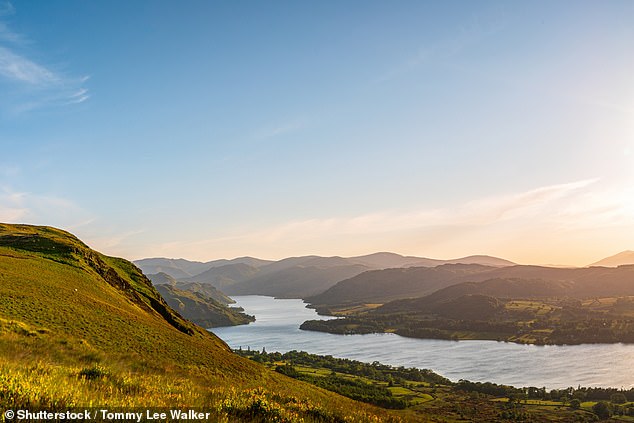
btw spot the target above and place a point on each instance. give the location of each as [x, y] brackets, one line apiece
[219, 129]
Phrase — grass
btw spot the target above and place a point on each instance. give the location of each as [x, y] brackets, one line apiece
[79, 329]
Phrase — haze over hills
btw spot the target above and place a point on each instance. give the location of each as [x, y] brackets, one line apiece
[295, 277]
[381, 286]
[624, 257]
[226, 275]
[181, 268]
[295, 281]
[385, 260]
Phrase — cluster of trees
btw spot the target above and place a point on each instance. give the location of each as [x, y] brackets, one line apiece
[610, 401]
[412, 326]
[604, 330]
[375, 370]
[356, 387]
[567, 323]
[616, 396]
[605, 409]
[351, 388]
[345, 326]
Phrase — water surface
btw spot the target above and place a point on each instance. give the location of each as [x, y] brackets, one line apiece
[277, 329]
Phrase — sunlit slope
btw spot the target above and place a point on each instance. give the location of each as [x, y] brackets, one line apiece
[51, 280]
[620, 259]
[78, 328]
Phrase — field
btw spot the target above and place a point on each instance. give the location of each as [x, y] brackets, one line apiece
[424, 394]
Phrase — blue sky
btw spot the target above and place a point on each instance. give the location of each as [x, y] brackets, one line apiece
[208, 129]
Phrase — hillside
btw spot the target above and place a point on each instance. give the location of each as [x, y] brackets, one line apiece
[382, 286]
[80, 329]
[624, 257]
[498, 288]
[202, 309]
[592, 305]
[379, 286]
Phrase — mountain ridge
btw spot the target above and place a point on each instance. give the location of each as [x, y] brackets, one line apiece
[623, 258]
[301, 276]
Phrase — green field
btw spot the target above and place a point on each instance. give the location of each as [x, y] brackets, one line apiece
[426, 395]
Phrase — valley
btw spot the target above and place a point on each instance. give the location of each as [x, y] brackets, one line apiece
[94, 329]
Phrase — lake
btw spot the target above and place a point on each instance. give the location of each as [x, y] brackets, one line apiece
[277, 329]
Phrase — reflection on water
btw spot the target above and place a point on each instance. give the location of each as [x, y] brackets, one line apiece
[277, 329]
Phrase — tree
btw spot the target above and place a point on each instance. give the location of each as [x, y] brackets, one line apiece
[575, 404]
[618, 398]
[602, 409]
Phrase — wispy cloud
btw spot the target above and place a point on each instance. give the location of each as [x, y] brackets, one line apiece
[272, 131]
[37, 209]
[28, 84]
[6, 8]
[21, 69]
[112, 242]
[540, 202]
[480, 226]
[12, 209]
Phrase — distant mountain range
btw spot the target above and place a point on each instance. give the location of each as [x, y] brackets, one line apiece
[293, 277]
[181, 268]
[373, 278]
[624, 257]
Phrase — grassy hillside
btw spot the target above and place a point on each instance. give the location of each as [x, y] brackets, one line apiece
[79, 329]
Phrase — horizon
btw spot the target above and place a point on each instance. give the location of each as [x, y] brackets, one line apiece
[390, 252]
[156, 129]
